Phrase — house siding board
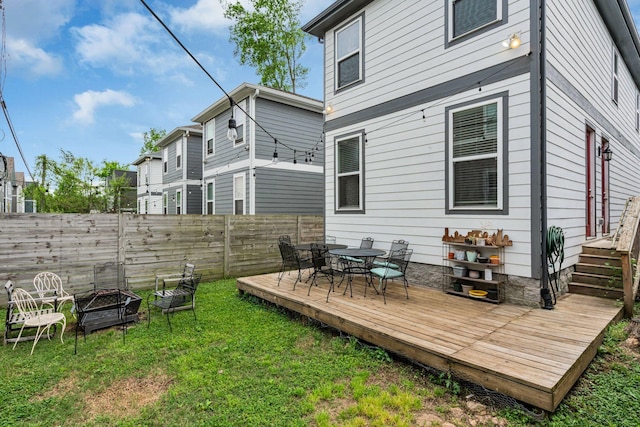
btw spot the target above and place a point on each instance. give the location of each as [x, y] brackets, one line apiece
[225, 151]
[224, 194]
[288, 192]
[193, 199]
[411, 204]
[416, 58]
[172, 174]
[194, 157]
[579, 94]
[299, 129]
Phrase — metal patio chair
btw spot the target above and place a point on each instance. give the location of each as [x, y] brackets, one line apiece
[395, 268]
[33, 316]
[291, 260]
[323, 266]
[49, 288]
[383, 261]
[182, 297]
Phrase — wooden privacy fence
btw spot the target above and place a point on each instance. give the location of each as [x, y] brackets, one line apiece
[71, 244]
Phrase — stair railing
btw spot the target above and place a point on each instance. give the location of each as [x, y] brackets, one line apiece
[627, 244]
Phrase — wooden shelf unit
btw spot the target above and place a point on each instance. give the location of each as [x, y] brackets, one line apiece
[498, 278]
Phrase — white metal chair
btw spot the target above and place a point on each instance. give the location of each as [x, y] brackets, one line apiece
[49, 288]
[35, 317]
[165, 283]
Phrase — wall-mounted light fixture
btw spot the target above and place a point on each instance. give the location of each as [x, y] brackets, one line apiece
[513, 42]
[607, 154]
[328, 109]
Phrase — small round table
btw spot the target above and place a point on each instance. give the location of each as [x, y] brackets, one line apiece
[352, 267]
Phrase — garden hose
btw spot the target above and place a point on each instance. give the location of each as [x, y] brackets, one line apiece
[555, 253]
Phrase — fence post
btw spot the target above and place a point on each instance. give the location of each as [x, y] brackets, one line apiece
[298, 229]
[227, 246]
[121, 239]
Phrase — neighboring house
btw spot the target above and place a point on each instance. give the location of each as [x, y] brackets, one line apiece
[463, 113]
[181, 151]
[149, 167]
[122, 189]
[240, 176]
[12, 184]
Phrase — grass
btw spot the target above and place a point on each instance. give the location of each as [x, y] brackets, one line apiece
[247, 363]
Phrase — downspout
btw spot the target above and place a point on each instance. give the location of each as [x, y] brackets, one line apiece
[544, 279]
[252, 156]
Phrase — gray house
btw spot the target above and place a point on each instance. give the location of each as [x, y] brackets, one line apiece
[181, 151]
[275, 163]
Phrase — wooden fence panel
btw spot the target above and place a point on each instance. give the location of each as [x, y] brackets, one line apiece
[71, 244]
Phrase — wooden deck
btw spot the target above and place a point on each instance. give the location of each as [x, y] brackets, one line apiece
[530, 354]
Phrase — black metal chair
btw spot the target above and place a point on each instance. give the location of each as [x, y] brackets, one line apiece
[284, 238]
[383, 261]
[182, 297]
[395, 268]
[323, 266]
[291, 260]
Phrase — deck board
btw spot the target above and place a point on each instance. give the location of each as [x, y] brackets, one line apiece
[531, 354]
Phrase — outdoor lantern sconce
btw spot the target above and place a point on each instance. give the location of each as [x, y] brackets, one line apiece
[607, 154]
[275, 152]
[232, 132]
[513, 42]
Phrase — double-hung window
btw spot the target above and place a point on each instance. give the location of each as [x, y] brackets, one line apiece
[475, 153]
[165, 160]
[466, 17]
[238, 194]
[350, 174]
[210, 198]
[209, 137]
[348, 54]
[178, 202]
[179, 154]
[241, 118]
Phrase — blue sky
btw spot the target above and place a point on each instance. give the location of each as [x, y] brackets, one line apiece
[90, 76]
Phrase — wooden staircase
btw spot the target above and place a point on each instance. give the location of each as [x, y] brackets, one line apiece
[598, 272]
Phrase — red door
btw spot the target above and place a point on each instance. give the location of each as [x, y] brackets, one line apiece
[604, 196]
[591, 183]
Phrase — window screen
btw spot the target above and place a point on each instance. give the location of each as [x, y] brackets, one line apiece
[348, 54]
[471, 14]
[349, 174]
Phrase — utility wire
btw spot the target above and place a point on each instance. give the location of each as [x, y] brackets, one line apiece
[233, 103]
[13, 133]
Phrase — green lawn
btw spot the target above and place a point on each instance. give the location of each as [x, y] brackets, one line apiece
[246, 363]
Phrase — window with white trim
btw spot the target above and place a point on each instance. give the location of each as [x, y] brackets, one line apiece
[209, 137]
[165, 159]
[241, 118]
[348, 54]
[238, 194]
[179, 154]
[210, 198]
[349, 184]
[178, 202]
[615, 84]
[165, 203]
[475, 156]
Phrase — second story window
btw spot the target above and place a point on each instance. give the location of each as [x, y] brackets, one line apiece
[209, 137]
[348, 54]
[179, 154]
[165, 160]
[469, 15]
[241, 118]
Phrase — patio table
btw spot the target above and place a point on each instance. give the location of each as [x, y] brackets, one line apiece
[352, 268]
[330, 246]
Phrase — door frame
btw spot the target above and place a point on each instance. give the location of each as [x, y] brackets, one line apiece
[604, 189]
[590, 183]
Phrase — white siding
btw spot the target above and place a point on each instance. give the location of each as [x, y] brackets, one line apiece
[405, 180]
[404, 51]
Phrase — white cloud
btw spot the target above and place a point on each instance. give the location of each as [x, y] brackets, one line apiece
[128, 44]
[37, 20]
[31, 60]
[204, 15]
[90, 100]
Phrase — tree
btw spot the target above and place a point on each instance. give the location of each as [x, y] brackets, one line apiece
[151, 139]
[269, 39]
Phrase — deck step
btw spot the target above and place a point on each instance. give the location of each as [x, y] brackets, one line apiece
[595, 290]
[596, 279]
[605, 261]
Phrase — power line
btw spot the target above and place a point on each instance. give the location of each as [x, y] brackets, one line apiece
[232, 102]
[13, 133]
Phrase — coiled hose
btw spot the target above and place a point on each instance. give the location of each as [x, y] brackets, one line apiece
[555, 253]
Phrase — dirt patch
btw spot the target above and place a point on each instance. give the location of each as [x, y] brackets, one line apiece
[63, 388]
[126, 397]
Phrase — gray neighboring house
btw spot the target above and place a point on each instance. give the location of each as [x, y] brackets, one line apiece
[181, 151]
[149, 167]
[240, 176]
